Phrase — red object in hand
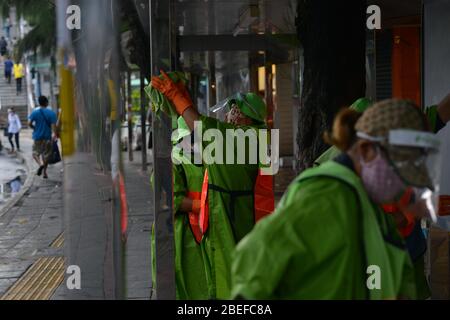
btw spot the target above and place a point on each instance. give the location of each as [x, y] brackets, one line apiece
[175, 92]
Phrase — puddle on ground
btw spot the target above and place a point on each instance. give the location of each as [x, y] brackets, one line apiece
[12, 177]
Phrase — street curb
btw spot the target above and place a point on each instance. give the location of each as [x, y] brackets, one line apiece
[26, 186]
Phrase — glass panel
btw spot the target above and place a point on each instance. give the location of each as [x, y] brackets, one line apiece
[91, 111]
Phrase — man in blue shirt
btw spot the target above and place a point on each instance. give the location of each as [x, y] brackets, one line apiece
[8, 69]
[43, 123]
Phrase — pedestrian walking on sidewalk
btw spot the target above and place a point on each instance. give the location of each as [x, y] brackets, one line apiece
[43, 123]
[7, 28]
[8, 69]
[14, 127]
[18, 75]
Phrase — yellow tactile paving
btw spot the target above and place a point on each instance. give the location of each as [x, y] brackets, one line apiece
[58, 242]
[39, 282]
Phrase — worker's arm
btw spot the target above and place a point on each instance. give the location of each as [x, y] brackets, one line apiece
[189, 205]
[178, 96]
[186, 205]
[190, 116]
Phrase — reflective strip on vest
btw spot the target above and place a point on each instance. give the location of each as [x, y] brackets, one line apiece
[123, 207]
[404, 201]
[394, 208]
[204, 208]
[194, 218]
[264, 196]
[264, 199]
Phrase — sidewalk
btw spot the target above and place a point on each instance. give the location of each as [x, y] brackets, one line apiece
[23, 160]
[140, 219]
[28, 226]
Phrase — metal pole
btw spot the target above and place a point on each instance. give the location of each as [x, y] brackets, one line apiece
[143, 124]
[130, 119]
[162, 51]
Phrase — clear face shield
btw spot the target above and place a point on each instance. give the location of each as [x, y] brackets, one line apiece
[221, 110]
[416, 158]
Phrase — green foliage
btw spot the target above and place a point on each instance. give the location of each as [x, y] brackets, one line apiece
[136, 100]
[41, 17]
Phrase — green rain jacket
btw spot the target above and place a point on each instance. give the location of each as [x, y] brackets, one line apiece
[190, 266]
[423, 290]
[190, 269]
[324, 241]
[231, 209]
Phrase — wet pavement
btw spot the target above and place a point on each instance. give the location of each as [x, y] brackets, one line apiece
[29, 227]
[12, 176]
[32, 220]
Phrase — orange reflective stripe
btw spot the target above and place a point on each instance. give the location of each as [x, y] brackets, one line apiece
[403, 202]
[194, 195]
[264, 196]
[406, 198]
[204, 209]
[390, 208]
[194, 218]
[123, 207]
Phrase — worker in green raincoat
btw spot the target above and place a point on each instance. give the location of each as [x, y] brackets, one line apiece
[329, 238]
[360, 106]
[190, 266]
[438, 116]
[229, 212]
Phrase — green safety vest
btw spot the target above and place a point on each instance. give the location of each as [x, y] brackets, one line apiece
[325, 241]
[191, 270]
[231, 212]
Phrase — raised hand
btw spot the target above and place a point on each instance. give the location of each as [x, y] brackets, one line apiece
[175, 92]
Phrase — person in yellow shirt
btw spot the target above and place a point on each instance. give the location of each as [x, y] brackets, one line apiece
[18, 71]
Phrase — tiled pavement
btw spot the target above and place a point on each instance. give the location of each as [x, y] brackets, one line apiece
[28, 228]
[140, 219]
[31, 221]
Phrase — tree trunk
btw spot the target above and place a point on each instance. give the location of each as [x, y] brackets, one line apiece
[333, 38]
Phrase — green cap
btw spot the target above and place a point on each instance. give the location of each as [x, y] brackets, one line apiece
[252, 105]
[361, 105]
[182, 131]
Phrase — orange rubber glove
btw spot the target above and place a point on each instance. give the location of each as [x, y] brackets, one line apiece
[196, 205]
[175, 92]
